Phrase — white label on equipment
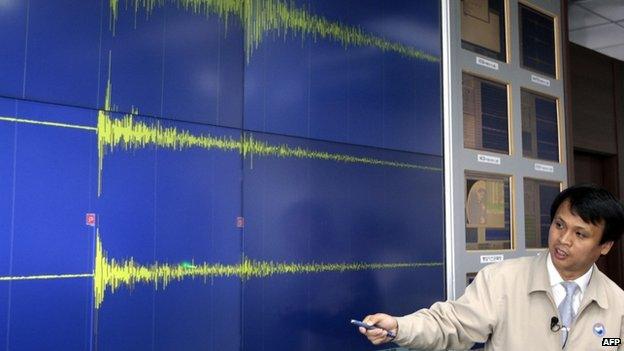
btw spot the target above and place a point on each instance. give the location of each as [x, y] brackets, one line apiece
[491, 258]
[489, 159]
[539, 80]
[544, 168]
[487, 63]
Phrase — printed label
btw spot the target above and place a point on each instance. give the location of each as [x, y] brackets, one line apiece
[544, 168]
[539, 80]
[487, 63]
[489, 159]
[492, 258]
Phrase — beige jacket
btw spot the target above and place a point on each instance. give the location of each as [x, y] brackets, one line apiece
[509, 306]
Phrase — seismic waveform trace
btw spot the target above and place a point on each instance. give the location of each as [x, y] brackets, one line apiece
[278, 17]
[129, 134]
[109, 275]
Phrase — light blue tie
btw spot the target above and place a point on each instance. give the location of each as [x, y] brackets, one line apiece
[565, 308]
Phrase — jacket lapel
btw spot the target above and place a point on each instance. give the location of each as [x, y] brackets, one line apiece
[538, 279]
[596, 291]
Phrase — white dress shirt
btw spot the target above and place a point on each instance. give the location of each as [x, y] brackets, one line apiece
[558, 290]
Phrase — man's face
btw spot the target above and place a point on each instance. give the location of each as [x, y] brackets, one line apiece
[574, 244]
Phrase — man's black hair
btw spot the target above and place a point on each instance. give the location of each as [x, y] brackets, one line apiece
[594, 205]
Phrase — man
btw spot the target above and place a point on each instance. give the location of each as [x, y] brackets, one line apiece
[556, 300]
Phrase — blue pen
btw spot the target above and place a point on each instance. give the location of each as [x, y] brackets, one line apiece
[369, 327]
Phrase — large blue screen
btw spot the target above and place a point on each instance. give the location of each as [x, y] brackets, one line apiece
[217, 174]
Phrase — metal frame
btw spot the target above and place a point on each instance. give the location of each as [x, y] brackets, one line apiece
[458, 160]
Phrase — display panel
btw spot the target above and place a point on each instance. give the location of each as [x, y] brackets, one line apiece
[341, 88]
[198, 176]
[537, 41]
[540, 128]
[357, 228]
[45, 192]
[538, 196]
[488, 212]
[132, 218]
[177, 61]
[470, 277]
[486, 118]
[483, 27]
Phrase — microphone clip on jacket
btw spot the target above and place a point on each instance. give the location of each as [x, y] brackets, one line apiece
[554, 324]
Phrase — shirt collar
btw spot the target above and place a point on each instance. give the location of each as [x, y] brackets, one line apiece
[539, 281]
[555, 278]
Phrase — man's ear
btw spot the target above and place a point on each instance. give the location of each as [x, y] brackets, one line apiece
[604, 248]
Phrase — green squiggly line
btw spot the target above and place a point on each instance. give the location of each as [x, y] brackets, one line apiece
[261, 16]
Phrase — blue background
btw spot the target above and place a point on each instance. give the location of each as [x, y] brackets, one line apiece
[189, 71]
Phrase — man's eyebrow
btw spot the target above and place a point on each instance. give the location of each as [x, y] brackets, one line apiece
[583, 227]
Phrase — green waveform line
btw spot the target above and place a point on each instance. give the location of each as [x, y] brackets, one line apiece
[44, 123]
[46, 277]
[128, 134]
[273, 16]
[109, 275]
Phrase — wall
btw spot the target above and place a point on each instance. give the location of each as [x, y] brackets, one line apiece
[597, 107]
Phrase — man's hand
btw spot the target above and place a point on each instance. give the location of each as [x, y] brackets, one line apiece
[379, 336]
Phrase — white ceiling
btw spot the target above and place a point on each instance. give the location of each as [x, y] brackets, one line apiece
[598, 25]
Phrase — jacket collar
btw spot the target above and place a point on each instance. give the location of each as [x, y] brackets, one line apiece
[596, 290]
[539, 281]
